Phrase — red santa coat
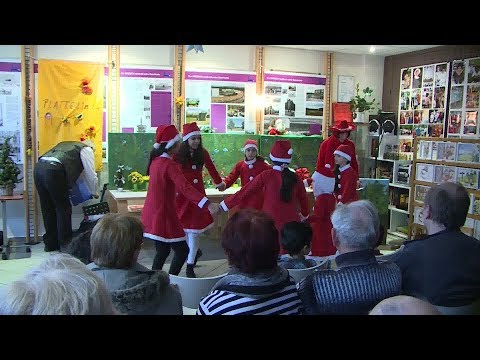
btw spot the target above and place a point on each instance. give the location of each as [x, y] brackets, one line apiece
[159, 217]
[192, 218]
[325, 153]
[322, 244]
[247, 170]
[269, 183]
[347, 187]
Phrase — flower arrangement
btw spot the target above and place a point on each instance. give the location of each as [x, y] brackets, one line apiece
[361, 103]
[9, 171]
[179, 101]
[118, 178]
[135, 177]
[88, 134]
[86, 89]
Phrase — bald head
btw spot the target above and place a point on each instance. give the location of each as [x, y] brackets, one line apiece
[404, 305]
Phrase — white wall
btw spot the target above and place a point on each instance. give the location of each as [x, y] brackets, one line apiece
[367, 69]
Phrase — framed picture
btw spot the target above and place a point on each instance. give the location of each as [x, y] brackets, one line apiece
[345, 88]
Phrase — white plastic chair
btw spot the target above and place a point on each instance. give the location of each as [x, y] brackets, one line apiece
[299, 274]
[194, 289]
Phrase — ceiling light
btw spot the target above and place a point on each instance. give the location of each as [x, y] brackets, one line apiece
[372, 49]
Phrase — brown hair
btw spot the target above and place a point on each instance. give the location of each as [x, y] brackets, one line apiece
[250, 241]
[114, 240]
[449, 203]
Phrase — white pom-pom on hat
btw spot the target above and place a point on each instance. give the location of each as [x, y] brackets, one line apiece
[290, 152]
[327, 166]
[156, 146]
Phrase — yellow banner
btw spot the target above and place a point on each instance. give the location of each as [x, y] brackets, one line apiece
[70, 104]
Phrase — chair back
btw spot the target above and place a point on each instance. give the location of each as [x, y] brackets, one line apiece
[471, 309]
[299, 274]
[194, 289]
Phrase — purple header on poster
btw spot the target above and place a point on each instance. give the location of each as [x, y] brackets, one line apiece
[10, 67]
[219, 117]
[295, 79]
[128, 130]
[211, 76]
[146, 73]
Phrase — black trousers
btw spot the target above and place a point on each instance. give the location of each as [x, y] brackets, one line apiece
[180, 249]
[51, 183]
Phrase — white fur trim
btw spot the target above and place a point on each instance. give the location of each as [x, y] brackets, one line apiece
[172, 142]
[248, 146]
[250, 178]
[290, 151]
[280, 159]
[202, 202]
[339, 176]
[327, 166]
[305, 182]
[156, 146]
[198, 231]
[303, 218]
[339, 186]
[160, 238]
[341, 153]
[165, 155]
[224, 206]
[190, 134]
[250, 162]
[195, 181]
[194, 167]
[276, 167]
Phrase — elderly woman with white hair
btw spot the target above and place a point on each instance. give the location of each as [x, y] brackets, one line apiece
[61, 285]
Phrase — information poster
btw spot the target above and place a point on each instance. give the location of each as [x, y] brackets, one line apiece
[221, 101]
[296, 98]
[464, 99]
[11, 123]
[145, 98]
[422, 103]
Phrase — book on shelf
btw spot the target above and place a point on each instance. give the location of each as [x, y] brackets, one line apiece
[468, 177]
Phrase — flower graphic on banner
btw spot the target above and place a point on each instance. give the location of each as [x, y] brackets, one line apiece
[89, 133]
[87, 90]
[179, 101]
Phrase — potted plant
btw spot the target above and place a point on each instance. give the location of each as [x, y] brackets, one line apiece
[118, 178]
[9, 171]
[361, 103]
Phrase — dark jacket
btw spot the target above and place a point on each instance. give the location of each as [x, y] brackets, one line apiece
[140, 291]
[442, 268]
[68, 153]
[354, 288]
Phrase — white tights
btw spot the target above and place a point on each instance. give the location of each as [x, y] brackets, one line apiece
[192, 241]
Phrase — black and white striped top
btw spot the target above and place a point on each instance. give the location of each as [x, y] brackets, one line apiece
[282, 302]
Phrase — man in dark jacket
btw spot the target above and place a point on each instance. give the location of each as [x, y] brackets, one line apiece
[55, 173]
[359, 282]
[444, 267]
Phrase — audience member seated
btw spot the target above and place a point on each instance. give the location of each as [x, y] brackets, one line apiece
[115, 243]
[255, 285]
[404, 305]
[296, 239]
[61, 285]
[79, 247]
[443, 267]
[359, 282]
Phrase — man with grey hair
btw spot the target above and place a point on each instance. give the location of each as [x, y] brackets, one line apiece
[359, 282]
[404, 305]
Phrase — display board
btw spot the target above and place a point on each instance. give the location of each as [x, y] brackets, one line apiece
[422, 103]
[133, 151]
[296, 98]
[445, 160]
[464, 99]
[221, 100]
[145, 98]
[11, 105]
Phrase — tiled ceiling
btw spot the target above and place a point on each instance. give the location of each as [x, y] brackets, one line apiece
[382, 50]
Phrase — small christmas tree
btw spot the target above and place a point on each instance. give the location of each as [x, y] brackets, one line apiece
[9, 171]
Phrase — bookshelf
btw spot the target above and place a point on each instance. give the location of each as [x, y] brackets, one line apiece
[437, 160]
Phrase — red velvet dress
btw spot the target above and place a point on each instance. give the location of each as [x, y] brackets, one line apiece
[325, 153]
[347, 188]
[322, 244]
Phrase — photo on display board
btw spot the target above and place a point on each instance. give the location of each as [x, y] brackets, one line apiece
[436, 116]
[468, 177]
[456, 97]
[416, 100]
[473, 96]
[273, 90]
[228, 94]
[427, 98]
[439, 98]
[455, 122]
[289, 108]
[425, 172]
[473, 71]
[417, 77]
[420, 130]
[406, 79]
[441, 75]
[468, 152]
[406, 130]
[428, 73]
[438, 174]
[417, 116]
[435, 130]
[458, 73]
[405, 100]
[446, 151]
[470, 126]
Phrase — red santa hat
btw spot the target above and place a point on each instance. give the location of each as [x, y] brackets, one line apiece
[166, 134]
[345, 151]
[323, 181]
[343, 126]
[281, 151]
[189, 130]
[250, 144]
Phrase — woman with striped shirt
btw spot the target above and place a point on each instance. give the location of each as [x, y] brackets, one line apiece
[255, 285]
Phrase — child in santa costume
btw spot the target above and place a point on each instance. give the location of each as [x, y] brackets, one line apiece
[247, 170]
[192, 156]
[283, 190]
[325, 203]
[159, 218]
[340, 136]
[348, 177]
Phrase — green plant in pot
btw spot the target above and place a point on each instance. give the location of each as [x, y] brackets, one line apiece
[361, 102]
[9, 171]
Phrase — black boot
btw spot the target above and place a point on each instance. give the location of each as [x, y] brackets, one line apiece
[190, 272]
[199, 253]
